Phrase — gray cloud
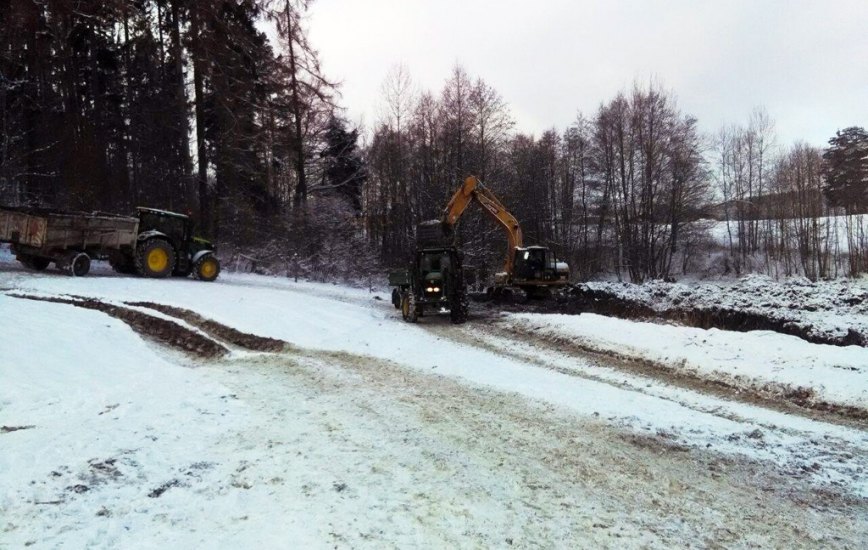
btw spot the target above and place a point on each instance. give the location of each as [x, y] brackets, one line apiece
[806, 62]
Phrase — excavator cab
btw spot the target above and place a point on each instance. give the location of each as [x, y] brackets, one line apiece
[537, 265]
[532, 263]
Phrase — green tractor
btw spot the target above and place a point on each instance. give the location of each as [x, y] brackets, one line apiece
[433, 283]
[166, 246]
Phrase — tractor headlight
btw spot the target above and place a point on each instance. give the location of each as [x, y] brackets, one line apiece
[436, 289]
[429, 289]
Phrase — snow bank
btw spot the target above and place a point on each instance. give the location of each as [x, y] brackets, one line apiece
[826, 309]
[759, 360]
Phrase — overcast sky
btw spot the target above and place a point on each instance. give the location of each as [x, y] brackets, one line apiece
[806, 62]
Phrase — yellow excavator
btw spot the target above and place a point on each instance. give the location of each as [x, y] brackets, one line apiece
[533, 269]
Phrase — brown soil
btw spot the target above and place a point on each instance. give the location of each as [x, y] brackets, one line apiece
[786, 398]
[581, 299]
[167, 332]
[217, 330]
[8, 429]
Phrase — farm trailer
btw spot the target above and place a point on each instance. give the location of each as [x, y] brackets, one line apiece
[154, 244]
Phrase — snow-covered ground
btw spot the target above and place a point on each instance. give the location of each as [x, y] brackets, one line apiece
[376, 433]
[765, 361]
[822, 308]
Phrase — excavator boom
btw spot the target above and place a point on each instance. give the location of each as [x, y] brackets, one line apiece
[471, 190]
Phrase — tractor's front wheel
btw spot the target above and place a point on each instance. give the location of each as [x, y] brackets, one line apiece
[207, 268]
[155, 258]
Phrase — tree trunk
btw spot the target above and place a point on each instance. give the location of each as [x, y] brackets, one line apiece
[298, 144]
[201, 150]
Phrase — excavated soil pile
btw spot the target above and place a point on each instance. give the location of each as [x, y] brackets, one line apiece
[583, 299]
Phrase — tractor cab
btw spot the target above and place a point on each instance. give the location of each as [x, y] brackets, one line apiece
[434, 274]
[178, 228]
[168, 245]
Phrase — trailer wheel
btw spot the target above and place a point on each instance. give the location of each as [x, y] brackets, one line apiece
[35, 263]
[123, 263]
[39, 264]
[155, 258]
[77, 264]
[207, 268]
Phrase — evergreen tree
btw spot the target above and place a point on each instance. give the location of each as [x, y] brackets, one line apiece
[344, 169]
[847, 169]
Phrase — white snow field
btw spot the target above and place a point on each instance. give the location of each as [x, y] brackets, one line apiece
[371, 432]
[763, 360]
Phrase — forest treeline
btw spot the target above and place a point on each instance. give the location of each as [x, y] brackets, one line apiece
[633, 190]
[178, 104]
[192, 106]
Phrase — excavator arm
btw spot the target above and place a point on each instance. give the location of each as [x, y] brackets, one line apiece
[471, 190]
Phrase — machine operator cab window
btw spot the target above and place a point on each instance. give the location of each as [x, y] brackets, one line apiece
[434, 267]
[430, 263]
[533, 262]
[176, 226]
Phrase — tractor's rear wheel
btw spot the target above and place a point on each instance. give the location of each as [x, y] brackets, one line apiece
[207, 268]
[155, 258]
[458, 310]
[408, 308]
[458, 305]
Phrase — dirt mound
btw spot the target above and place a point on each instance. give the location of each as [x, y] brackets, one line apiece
[167, 332]
[217, 330]
[774, 395]
[584, 299]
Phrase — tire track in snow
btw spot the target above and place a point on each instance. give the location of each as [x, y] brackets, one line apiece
[530, 474]
[783, 399]
[217, 330]
[161, 330]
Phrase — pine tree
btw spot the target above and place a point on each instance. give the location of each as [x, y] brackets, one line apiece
[344, 171]
[847, 169]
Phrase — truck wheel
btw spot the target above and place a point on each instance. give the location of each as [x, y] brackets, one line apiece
[155, 258]
[207, 268]
[77, 264]
[408, 308]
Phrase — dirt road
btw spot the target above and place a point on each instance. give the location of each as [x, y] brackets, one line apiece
[311, 437]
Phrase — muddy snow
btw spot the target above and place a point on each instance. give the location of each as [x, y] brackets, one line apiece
[331, 423]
